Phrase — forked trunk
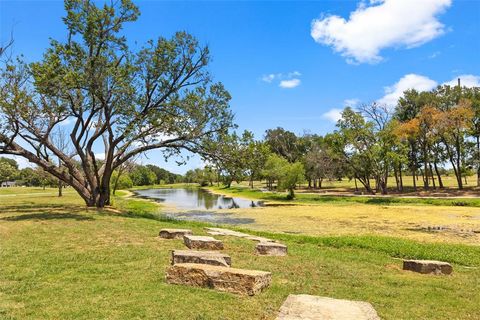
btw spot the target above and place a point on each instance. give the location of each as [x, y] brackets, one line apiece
[439, 177]
[99, 199]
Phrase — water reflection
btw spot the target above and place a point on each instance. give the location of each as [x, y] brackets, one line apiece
[196, 199]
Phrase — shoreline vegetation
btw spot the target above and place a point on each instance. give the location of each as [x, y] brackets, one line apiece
[313, 198]
[304, 196]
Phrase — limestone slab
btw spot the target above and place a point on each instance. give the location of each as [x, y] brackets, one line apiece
[228, 232]
[240, 281]
[213, 258]
[201, 242]
[271, 249]
[428, 266]
[174, 233]
[307, 307]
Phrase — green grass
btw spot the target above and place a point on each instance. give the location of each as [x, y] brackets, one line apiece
[59, 260]
[300, 198]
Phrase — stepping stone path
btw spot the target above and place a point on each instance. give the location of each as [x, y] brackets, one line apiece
[227, 232]
[245, 282]
[174, 233]
[265, 247]
[428, 266]
[203, 257]
[201, 242]
[307, 307]
[271, 249]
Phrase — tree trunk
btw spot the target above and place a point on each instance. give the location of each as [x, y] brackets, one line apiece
[103, 198]
[400, 176]
[439, 177]
[478, 160]
[413, 158]
[366, 184]
[60, 183]
[60, 187]
[426, 180]
[395, 174]
[414, 179]
[431, 174]
[115, 184]
[291, 194]
[459, 164]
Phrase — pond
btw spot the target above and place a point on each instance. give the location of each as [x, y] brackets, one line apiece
[196, 199]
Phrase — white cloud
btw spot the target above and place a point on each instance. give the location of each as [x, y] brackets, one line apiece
[333, 115]
[466, 80]
[434, 55]
[294, 74]
[285, 80]
[351, 102]
[378, 25]
[100, 156]
[409, 81]
[268, 77]
[289, 84]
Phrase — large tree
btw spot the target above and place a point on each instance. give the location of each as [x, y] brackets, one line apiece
[284, 143]
[119, 102]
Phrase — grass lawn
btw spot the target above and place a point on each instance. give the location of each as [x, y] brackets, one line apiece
[59, 260]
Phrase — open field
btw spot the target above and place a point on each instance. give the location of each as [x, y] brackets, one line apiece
[62, 261]
[345, 187]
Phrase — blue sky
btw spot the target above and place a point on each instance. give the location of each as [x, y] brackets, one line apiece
[295, 64]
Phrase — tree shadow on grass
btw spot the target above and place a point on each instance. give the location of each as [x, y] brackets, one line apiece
[43, 212]
[47, 216]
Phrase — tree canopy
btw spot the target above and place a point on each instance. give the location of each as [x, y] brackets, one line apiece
[119, 102]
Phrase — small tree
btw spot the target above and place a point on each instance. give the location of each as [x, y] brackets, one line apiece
[121, 182]
[7, 171]
[142, 176]
[291, 174]
[273, 168]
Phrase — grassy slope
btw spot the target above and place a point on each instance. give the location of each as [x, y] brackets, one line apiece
[58, 260]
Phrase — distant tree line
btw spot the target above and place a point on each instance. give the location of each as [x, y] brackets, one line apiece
[132, 175]
[30, 177]
[427, 135]
[142, 175]
[424, 136]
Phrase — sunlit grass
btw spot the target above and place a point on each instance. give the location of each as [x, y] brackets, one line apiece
[59, 260]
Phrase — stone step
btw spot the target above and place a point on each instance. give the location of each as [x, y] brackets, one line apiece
[240, 281]
[271, 249]
[428, 266]
[201, 242]
[174, 233]
[203, 257]
[232, 233]
[303, 307]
